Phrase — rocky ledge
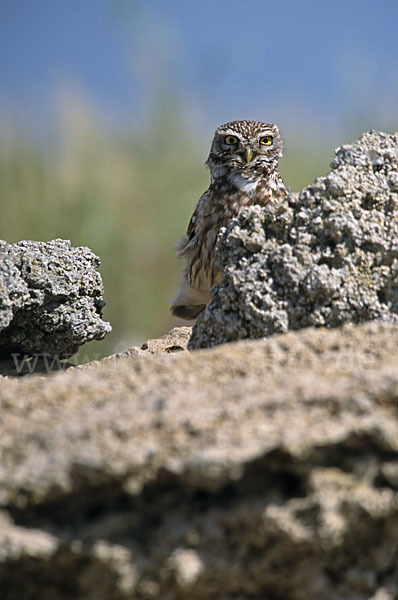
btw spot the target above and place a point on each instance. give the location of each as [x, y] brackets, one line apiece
[260, 469]
[50, 299]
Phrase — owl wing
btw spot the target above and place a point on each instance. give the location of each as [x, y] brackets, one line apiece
[200, 215]
[195, 226]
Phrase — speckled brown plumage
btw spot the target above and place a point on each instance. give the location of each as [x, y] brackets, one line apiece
[243, 163]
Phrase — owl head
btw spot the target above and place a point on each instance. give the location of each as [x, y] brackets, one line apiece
[249, 147]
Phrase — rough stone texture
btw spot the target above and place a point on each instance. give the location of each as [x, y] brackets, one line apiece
[50, 298]
[261, 469]
[176, 340]
[323, 258]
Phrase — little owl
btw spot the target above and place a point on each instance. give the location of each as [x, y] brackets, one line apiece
[243, 163]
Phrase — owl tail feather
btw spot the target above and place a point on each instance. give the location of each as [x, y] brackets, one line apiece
[187, 311]
[190, 301]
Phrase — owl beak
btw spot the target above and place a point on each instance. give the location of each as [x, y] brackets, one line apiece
[248, 154]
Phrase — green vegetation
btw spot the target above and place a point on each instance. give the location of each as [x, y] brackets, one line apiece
[129, 198]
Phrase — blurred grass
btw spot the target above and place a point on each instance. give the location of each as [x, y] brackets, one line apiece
[128, 196]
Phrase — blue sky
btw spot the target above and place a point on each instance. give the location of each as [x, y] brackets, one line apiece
[308, 64]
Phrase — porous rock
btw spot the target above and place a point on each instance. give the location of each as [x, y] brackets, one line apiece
[261, 469]
[50, 298]
[325, 257]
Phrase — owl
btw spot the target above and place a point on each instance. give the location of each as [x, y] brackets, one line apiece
[243, 163]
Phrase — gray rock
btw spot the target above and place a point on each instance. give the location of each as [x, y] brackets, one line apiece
[325, 257]
[50, 298]
[263, 469]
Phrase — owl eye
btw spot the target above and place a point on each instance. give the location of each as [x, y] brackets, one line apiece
[230, 139]
[266, 140]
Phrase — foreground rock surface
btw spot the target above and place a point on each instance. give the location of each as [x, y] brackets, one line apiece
[262, 469]
[50, 298]
[176, 340]
[326, 257]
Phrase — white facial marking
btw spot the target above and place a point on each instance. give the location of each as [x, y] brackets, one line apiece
[244, 184]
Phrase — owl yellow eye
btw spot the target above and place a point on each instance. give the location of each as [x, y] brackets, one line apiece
[230, 139]
[266, 140]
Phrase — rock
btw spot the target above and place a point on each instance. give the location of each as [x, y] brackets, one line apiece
[174, 341]
[50, 299]
[260, 469]
[326, 257]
